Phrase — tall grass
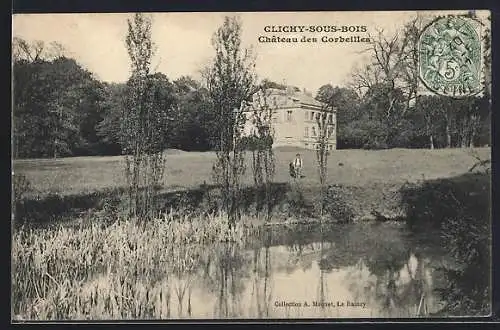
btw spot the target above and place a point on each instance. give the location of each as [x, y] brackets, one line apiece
[116, 271]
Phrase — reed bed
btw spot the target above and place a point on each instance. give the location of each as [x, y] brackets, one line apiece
[117, 271]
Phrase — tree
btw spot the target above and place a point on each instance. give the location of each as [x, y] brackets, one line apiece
[428, 108]
[347, 103]
[391, 115]
[90, 102]
[56, 105]
[388, 83]
[31, 52]
[76, 108]
[263, 163]
[468, 113]
[30, 99]
[161, 96]
[143, 128]
[230, 82]
[109, 128]
[266, 84]
[194, 123]
[325, 124]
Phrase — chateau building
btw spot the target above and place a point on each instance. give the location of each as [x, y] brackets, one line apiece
[294, 118]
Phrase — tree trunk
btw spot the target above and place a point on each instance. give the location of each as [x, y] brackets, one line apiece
[463, 134]
[55, 147]
[474, 124]
[448, 135]
[471, 142]
[429, 131]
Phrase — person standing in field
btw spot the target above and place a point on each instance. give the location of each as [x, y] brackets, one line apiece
[297, 166]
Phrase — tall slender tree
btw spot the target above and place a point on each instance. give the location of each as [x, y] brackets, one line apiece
[230, 82]
[325, 124]
[263, 163]
[144, 121]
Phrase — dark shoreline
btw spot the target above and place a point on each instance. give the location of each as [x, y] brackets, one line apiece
[372, 203]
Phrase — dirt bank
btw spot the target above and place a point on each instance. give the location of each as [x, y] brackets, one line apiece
[290, 202]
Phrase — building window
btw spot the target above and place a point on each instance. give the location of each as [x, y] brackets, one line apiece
[306, 145]
[331, 147]
[314, 131]
[312, 115]
[330, 130]
[306, 131]
[330, 118]
[289, 115]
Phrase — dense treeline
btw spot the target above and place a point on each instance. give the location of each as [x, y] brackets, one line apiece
[61, 109]
[430, 122]
[383, 108]
[56, 108]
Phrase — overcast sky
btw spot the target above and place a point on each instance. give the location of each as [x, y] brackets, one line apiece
[183, 42]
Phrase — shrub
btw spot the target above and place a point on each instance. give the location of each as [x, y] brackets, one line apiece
[253, 143]
[375, 145]
[296, 202]
[435, 202]
[21, 186]
[336, 206]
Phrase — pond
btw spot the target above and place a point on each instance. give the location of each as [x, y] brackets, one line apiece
[335, 271]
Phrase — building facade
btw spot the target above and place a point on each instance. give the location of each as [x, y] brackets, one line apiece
[294, 118]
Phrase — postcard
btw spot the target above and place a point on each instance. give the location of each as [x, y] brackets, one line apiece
[251, 165]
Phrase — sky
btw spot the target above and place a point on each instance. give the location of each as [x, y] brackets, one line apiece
[183, 41]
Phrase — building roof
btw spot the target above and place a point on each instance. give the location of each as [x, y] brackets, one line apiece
[306, 99]
[292, 97]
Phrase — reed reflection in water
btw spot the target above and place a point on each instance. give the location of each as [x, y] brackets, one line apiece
[361, 271]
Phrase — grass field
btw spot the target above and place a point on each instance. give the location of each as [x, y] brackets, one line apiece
[77, 175]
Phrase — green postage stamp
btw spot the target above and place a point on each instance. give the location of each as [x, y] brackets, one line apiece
[450, 56]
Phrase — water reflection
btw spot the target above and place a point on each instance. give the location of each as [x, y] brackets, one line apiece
[225, 273]
[344, 271]
[261, 294]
